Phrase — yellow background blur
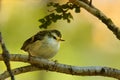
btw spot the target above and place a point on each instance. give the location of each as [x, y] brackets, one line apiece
[88, 41]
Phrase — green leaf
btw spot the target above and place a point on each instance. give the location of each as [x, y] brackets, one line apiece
[59, 9]
[43, 26]
[54, 19]
[70, 15]
[62, 12]
[52, 15]
[58, 16]
[68, 20]
[48, 23]
[50, 4]
[47, 18]
[55, 4]
[65, 16]
[42, 20]
[71, 6]
[77, 9]
[65, 6]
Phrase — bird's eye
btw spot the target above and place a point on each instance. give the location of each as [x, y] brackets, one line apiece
[54, 37]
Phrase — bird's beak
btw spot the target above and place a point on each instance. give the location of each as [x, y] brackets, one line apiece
[61, 39]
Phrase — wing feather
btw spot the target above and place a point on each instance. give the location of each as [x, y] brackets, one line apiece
[39, 36]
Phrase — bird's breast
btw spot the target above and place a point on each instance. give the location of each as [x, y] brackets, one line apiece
[45, 48]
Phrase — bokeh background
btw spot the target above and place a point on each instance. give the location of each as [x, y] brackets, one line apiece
[88, 40]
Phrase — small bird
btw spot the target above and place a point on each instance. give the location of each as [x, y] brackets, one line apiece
[44, 44]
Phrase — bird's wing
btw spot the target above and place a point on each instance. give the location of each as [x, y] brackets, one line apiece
[39, 36]
[27, 42]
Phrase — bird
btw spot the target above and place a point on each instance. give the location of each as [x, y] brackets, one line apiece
[44, 44]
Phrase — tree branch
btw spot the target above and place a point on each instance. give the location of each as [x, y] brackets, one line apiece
[96, 12]
[62, 68]
[44, 64]
[20, 70]
[6, 57]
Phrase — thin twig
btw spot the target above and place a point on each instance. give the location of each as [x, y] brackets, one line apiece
[45, 64]
[6, 57]
[17, 71]
[96, 12]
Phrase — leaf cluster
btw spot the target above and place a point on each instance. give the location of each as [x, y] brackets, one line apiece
[59, 12]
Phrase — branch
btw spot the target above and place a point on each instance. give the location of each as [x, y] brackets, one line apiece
[18, 71]
[62, 68]
[96, 12]
[6, 57]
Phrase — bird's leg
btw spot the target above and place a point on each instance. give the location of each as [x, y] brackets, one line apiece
[56, 61]
[29, 56]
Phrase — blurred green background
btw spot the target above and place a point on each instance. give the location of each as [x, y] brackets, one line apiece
[88, 41]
